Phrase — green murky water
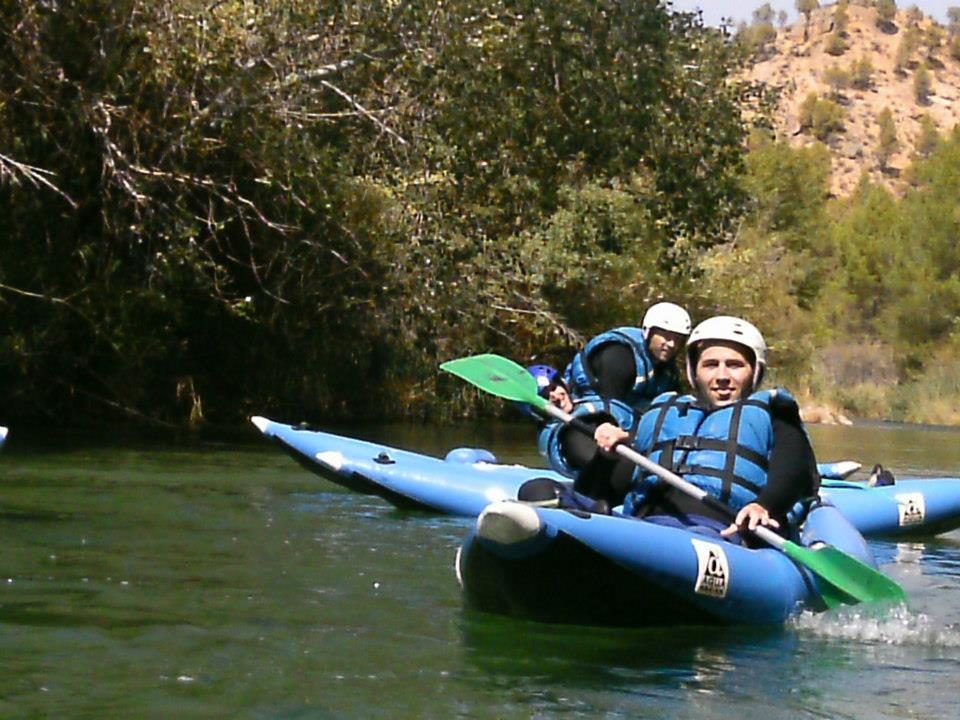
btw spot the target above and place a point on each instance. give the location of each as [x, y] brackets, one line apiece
[160, 580]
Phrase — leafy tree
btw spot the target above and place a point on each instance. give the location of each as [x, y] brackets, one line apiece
[763, 15]
[245, 205]
[905, 50]
[932, 39]
[836, 45]
[861, 73]
[922, 84]
[886, 12]
[822, 118]
[887, 142]
[928, 138]
[838, 78]
[789, 186]
[757, 38]
[208, 206]
[806, 8]
[931, 293]
[869, 250]
[774, 270]
[841, 17]
[953, 18]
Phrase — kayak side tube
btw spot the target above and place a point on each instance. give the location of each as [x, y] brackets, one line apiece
[556, 566]
[463, 484]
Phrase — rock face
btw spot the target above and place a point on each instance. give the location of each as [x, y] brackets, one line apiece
[823, 415]
[798, 63]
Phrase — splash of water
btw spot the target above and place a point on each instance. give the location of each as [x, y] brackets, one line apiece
[890, 625]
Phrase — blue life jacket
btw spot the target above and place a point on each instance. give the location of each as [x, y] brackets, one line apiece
[724, 451]
[652, 378]
[591, 407]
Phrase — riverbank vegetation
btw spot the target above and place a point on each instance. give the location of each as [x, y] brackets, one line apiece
[301, 208]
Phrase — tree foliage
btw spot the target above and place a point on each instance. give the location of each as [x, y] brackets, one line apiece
[301, 208]
[861, 73]
[821, 117]
[806, 8]
[215, 208]
[922, 84]
[928, 139]
[886, 11]
[887, 141]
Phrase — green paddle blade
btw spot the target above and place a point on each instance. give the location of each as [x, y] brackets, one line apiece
[851, 581]
[498, 376]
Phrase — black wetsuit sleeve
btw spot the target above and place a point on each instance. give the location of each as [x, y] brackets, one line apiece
[578, 447]
[615, 369]
[792, 474]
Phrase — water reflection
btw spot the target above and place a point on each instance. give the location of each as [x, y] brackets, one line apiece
[684, 672]
[836, 665]
[695, 658]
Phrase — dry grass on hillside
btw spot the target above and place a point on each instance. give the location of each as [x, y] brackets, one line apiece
[796, 64]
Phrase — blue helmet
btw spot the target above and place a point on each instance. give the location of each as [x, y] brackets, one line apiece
[545, 376]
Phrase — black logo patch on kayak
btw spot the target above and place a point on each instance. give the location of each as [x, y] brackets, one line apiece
[713, 570]
[912, 507]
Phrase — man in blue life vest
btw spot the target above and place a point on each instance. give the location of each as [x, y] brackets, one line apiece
[629, 364]
[567, 450]
[744, 446]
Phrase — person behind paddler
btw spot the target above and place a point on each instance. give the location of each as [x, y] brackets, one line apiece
[630, 364]
[745, 446]
[566, 450]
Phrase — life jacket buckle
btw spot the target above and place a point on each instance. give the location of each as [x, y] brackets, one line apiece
[687, 442]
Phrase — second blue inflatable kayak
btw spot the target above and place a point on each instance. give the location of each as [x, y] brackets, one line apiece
[468, 479]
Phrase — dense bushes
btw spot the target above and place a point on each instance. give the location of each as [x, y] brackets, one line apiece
[213, 208]
[301, 208]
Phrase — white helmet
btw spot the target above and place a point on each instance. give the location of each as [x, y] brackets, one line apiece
[666, 316]
[730, 329]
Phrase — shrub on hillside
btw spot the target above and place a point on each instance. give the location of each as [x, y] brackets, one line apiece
[861, 73]
[821, 118]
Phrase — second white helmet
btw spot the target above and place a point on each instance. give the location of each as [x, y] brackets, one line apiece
[666, 316]
[729, 329]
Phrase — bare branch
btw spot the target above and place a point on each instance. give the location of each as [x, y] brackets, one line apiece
[363, 110]
[10, 168]
[65, 303]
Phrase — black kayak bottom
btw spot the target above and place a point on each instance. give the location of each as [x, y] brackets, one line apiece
[568, 583]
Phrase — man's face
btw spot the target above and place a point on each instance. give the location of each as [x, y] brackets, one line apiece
[664, 344]
[561, 398]
[724, 373]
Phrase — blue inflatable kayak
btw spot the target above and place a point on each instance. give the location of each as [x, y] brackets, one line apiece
[558, 566]
[467, 480]
[463, 483]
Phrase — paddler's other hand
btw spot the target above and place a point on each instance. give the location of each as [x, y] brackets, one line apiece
[750, 517]
[607, 435]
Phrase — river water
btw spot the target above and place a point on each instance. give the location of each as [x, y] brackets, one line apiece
[221, 580]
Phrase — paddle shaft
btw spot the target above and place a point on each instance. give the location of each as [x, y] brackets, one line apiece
[688, 488]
